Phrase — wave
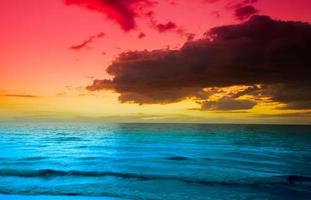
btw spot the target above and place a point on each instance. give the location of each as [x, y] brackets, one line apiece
[58, 194]
[293, 179]
[32, 158]
[68, 138]
[184, 158]
[178, 158]
[45, 173]
[290, 180]
[43, 194]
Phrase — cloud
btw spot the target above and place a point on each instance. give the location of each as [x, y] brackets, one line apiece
[294, 96]
[166, 27]
[141, 35]
[123, 12]
[216, 14]
[262, 51]
[245, 12]
[21, 95]
[228, 104]
[85, 43]
[81, 45]
[242, 9]
[211, 1]
[298, 115]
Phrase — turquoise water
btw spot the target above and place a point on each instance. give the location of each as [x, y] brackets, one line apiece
[154, 161]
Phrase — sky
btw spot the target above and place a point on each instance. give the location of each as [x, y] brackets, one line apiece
[206, 61]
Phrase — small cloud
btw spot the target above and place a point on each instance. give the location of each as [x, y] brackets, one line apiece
[21, 95]
[226, 104]
[85, 43]
[190, 36]
[245, 12]
[306, 114]
[216, 14]
[242, 9]
[100, 35]
[173, 3]
[141, 35]
[82, 45]
[122, 12]
[166, 27]
[211, 1]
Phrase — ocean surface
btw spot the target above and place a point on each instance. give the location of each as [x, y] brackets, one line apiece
[154, 161]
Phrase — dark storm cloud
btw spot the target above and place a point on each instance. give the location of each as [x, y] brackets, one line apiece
[123, 12]
[295, 96]
[260, 51]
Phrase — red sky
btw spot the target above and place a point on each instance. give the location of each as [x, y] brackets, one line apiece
[52, 45]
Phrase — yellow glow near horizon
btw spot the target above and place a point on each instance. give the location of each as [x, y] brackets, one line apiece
[105, 104]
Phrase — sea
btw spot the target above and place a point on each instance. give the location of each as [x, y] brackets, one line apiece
[140, 161]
